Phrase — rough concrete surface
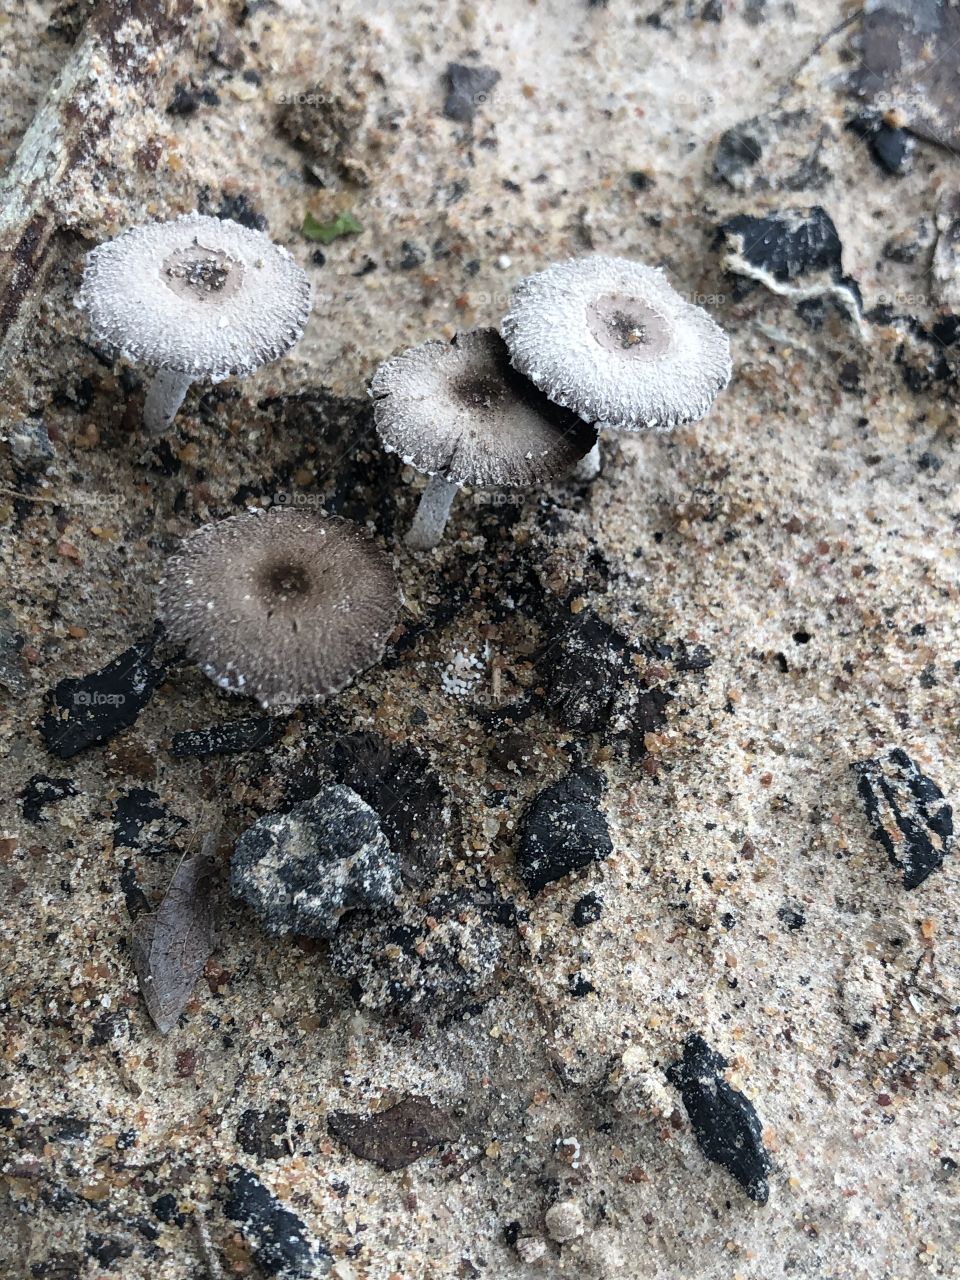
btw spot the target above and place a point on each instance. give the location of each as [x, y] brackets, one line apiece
[704, 641]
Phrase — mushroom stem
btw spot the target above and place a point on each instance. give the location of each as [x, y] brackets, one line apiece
[588, 468]
[432, 514]
[164, 399]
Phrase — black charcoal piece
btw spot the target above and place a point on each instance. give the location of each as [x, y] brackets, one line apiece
[467, 89]
[42, 790]
[92, 709]
[907, 812]
[278, 1239]
[564, 830]
[724, 1122]
[232, 736]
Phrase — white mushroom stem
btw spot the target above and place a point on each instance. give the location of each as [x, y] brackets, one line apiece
[432, 514]
[588, 468]
[164, 399]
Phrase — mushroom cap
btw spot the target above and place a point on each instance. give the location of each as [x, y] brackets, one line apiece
[203, 296]
[612, 340]
[457, 409]
[284, 605]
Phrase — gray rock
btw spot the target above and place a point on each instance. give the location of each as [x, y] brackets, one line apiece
[300, 871]
[30, 446]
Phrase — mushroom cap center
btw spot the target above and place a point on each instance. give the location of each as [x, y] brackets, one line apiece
[628, 327]
[285, 579]
[479, 389]
[200, 274]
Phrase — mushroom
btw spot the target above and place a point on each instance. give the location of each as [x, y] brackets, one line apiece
[195, 299]
[460, 414]
[284, 605]
[612, 340]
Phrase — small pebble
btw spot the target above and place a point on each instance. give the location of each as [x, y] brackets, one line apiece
[564, 1221]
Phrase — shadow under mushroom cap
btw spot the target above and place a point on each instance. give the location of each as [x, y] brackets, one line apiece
[283, 605]
[201, 296]
[461, 411]
[613, 341]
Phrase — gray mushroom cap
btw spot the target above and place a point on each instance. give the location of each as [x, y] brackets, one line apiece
[202, 296]
[460, 411]
[613, 341]
[284, 605]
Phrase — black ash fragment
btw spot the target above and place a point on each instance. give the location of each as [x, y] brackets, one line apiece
[436, 959]
[187, 99]
[280, 1242]
[167, 1209]
[416, 812]
[412, 256]
[891, 148]
[104, 1251]
[786, 244]
[467, 89]
[264, 1133]
[301, 871]
[92, 709]
[780, 150]
[395, 1138]
[135, 900]
[229, 738]
[140, 821]
[907, 812]
[586, 667]
[791, 915]
[580, 985]
[41, 791]
[795, 252]
[725, 1123]
[587, 910]
[563, 830]
[234, 208]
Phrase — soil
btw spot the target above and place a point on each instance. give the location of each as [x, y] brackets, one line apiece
[713, 633]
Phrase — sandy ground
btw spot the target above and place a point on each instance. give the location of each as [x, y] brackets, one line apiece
[805, 535]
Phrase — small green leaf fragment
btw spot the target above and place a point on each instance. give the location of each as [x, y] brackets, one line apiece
[344, 224]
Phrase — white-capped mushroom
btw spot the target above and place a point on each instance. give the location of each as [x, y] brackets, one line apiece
[460, 414]
[284, 605]
[197, 299]
[613, 341]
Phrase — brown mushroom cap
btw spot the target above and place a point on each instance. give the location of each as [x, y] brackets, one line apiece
[283, 605]
[460, 411]
[203, 296]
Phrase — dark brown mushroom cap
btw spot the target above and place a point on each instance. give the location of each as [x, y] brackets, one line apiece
[460, 411]
[612, 340]
[202, 296]
[284, 605]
